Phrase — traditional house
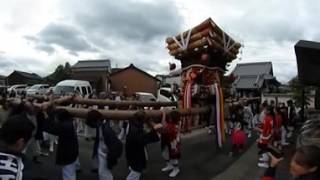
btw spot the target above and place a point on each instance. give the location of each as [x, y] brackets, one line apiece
[132, 79]
[97, 72]
[19, 77]
[251, 79]
[2, 80]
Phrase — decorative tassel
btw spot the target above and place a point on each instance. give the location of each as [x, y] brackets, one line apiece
[219, 115]
[218, 118]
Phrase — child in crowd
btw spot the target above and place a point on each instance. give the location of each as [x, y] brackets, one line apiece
[15, 134]
[238, 138]
[266, 131]
[170, 142]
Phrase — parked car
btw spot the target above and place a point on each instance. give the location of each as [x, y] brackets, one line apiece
[69, 86]
[37, 89]
[166, 95]
[18, 89]
[50, 89]
[145, 97]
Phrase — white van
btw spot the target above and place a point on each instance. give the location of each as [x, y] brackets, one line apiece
[69, 86]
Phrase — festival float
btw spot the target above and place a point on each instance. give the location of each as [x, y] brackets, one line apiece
[204, 52]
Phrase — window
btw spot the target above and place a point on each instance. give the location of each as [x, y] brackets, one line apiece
[168, 95]
[84, 91]
[35, 87]
[78, 89]
[165, 93]
[62, 90]
[89, 90]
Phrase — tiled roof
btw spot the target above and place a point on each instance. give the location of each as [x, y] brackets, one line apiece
[249, 82]
[93, 64]
[28, 75]
[134, 67]
[253, 69]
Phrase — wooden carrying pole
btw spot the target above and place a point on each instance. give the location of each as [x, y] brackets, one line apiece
[128, 114]
[109, 103]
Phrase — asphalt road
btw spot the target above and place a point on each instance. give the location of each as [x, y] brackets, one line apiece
[200, 160]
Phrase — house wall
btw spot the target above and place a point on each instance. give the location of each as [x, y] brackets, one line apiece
[98, 80]
[134, 80]
[2, 81]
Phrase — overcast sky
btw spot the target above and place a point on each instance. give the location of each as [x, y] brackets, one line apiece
[37, 35]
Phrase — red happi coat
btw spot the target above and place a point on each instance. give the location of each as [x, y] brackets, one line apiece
[170, 138]
[277, 127]
[267, 130]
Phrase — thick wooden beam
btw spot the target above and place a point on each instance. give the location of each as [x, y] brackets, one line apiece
[109, 103]
[128, 114]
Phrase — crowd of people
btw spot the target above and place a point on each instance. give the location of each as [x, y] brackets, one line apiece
[28, 123]
[274, 124]
[36, 124]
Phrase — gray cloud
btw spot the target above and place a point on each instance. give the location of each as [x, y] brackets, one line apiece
[128, 31]
[134, 31]
[45, 47]
[127, 19]
[31, 38]
[66, 36]
[258, 20]
[9, 63]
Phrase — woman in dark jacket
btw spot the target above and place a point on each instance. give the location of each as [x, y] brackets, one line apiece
[60, 123]
[305, 164]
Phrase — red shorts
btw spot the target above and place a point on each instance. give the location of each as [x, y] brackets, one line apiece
[238, 137]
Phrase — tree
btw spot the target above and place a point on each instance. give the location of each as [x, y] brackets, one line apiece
[297, 88]
[61, 73]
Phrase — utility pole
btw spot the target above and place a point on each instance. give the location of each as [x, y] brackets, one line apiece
[303, 103]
